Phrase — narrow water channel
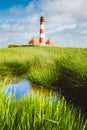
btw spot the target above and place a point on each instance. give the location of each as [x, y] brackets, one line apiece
[23, 87]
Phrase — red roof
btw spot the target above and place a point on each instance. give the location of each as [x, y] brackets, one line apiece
[33, 41]
[49, 42]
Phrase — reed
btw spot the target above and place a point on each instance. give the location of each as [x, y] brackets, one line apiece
[47, 66]
[64, 68]
[38, 113]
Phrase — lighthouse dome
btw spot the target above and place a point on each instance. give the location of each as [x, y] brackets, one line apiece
[41, 19]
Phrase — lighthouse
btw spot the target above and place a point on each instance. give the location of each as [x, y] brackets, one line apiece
[42, 33]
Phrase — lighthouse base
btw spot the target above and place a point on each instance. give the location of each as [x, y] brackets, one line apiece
[42, 44]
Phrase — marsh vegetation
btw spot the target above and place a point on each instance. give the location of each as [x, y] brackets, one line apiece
[63, 68]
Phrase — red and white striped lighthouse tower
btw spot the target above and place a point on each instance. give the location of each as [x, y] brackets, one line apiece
[42, 33]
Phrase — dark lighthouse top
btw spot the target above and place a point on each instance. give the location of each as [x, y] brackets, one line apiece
[41, 19]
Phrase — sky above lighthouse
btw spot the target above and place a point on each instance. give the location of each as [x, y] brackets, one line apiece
[65, 21]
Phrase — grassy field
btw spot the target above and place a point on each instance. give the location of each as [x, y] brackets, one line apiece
[64, 68]
[47, 66]
[38, 113]
[49, 63]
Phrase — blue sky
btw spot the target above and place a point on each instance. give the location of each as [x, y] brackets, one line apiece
[6, 4]
[65, 21]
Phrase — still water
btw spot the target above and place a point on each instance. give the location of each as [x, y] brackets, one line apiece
[23, 87]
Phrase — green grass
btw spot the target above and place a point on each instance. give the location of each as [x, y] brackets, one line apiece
[47, 66]
[38, 113]
[64, 68]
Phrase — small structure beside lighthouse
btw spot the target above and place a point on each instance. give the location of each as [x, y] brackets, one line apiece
[42, 32]
[49, 43]
[33, 42]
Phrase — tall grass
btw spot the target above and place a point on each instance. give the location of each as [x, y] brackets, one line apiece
[48, 66]
[38, 113]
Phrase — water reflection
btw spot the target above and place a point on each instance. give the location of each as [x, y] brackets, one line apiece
[19, 89]
[24, 87]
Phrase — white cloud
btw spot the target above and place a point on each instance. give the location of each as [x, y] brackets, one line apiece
[63, 27]
[22, 10]
[19, 31]
[30, 7]
[72, 7]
